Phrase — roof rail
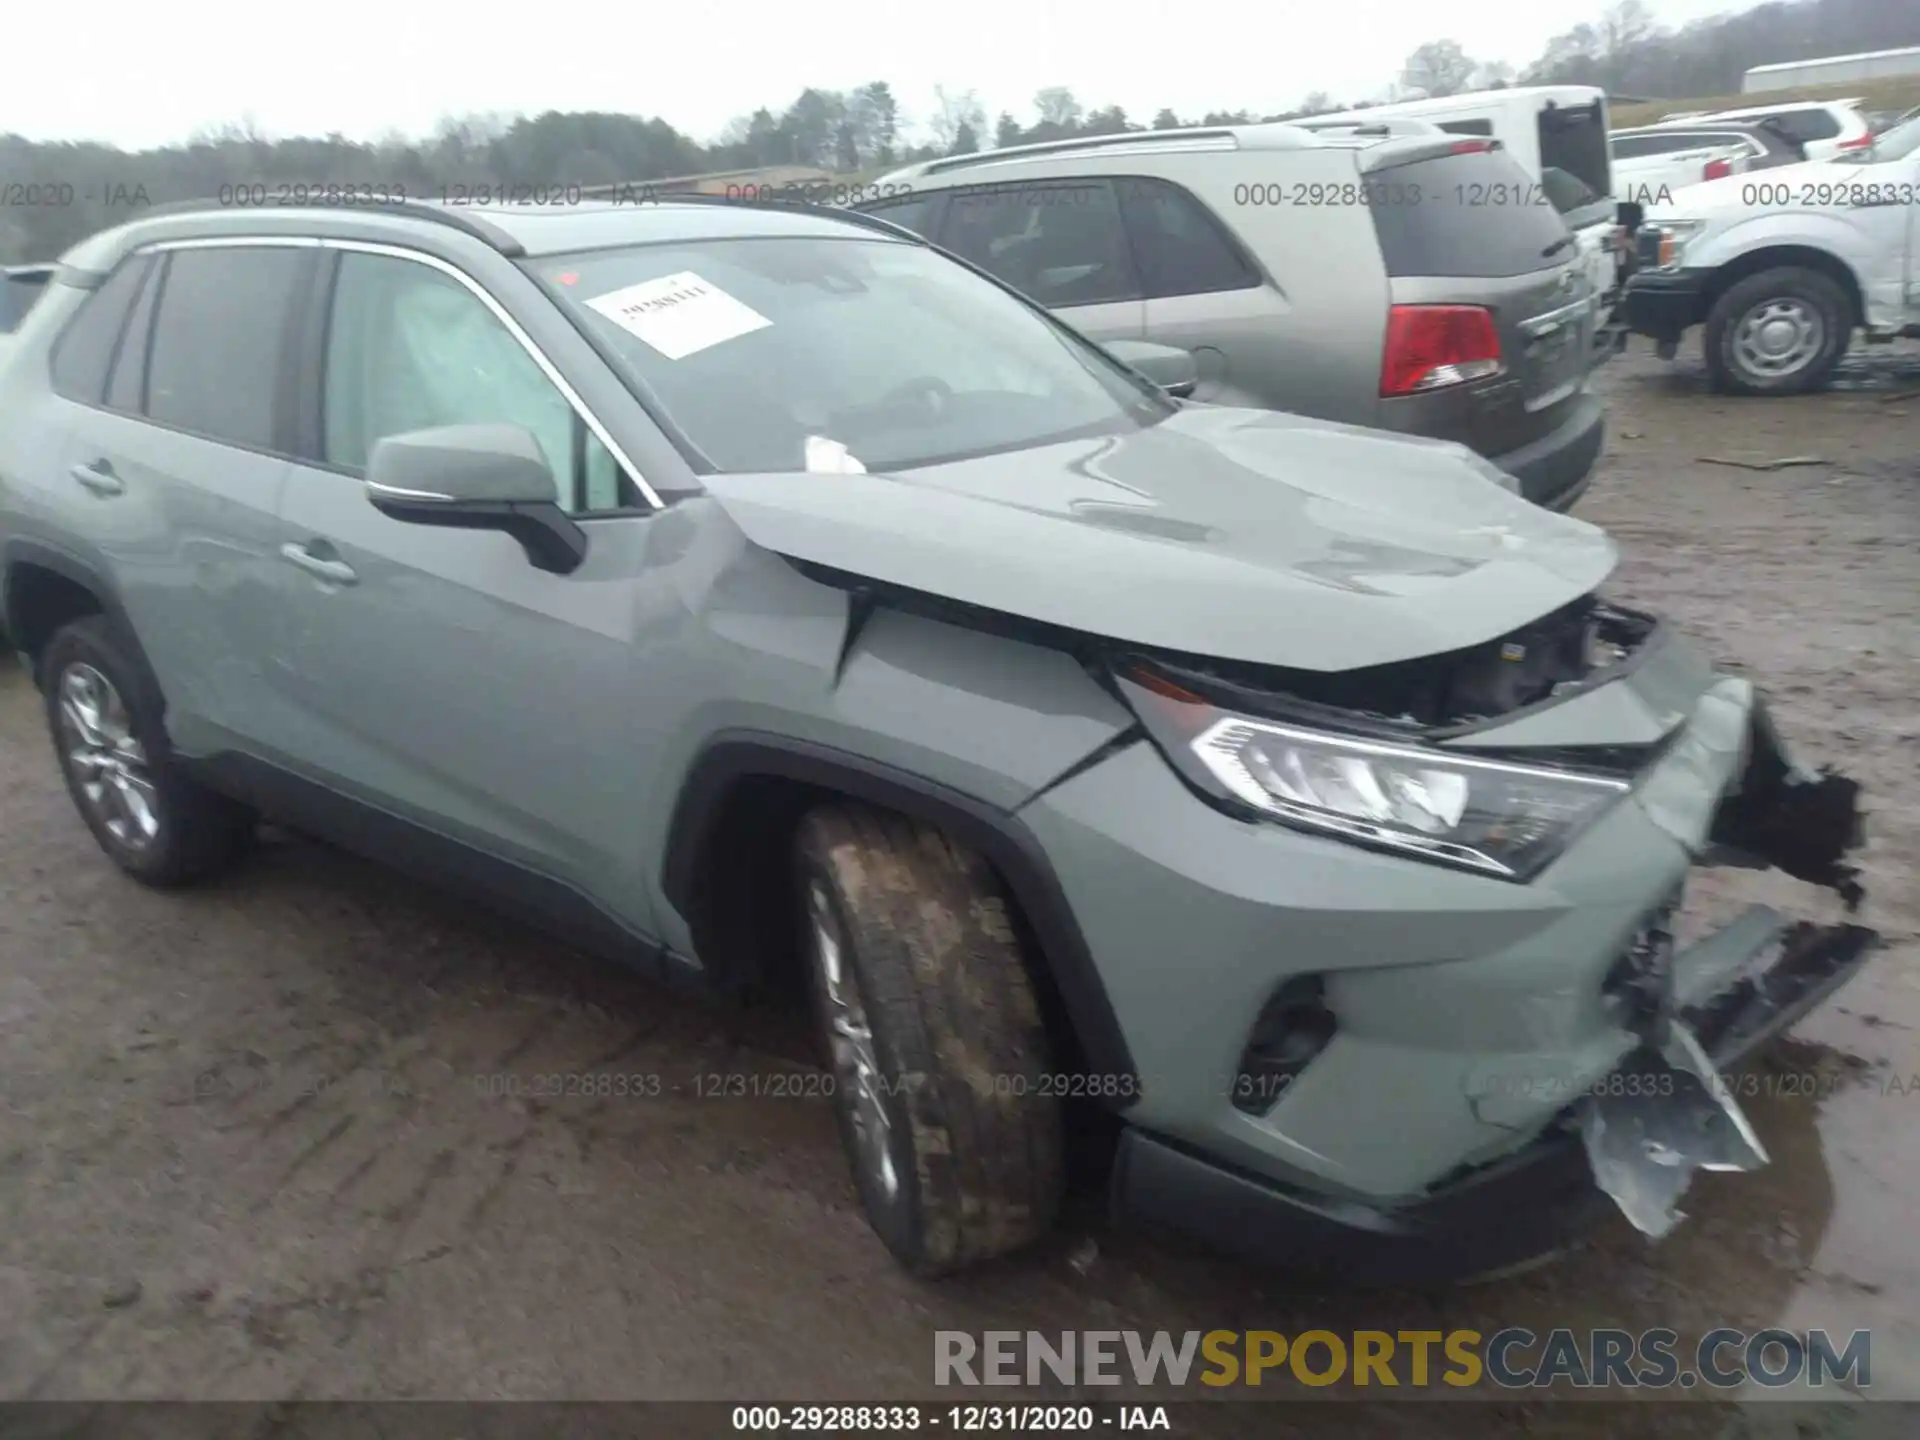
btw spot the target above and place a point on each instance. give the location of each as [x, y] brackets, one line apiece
[452, 215]
[812, 207]
[1081, 142]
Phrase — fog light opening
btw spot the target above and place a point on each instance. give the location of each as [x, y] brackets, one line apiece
[1295, 1025]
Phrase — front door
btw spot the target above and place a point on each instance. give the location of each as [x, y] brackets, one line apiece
[436, 674]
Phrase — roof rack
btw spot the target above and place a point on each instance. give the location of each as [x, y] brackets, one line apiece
[455, 216]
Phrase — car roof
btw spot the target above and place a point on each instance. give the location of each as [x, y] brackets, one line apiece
[1695, 117]
[1271, 136]
[636, 216]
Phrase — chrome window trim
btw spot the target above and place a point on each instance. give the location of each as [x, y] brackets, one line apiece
[479, 291]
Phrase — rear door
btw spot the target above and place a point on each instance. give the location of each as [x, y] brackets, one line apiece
[1205, 295]
[1471, 229]
[178, 469]
[1062, 243]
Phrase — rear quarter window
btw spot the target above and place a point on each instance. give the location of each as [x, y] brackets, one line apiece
[1805, 125]
[84, 352]
[1477, 214]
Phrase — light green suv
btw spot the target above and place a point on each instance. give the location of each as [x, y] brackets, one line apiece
[1271, 807]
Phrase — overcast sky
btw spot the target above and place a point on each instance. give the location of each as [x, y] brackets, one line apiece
[154, 74]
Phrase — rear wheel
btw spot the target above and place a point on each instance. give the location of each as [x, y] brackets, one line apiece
[1780, 332]
[154, 822]
[939, 1056]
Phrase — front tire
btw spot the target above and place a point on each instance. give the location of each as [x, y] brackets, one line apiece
[1780, 332]
[939, 1054]
[157, 824]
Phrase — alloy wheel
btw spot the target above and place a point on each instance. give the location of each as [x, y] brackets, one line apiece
[109, 765]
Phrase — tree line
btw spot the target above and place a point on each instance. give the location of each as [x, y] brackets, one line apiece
[55, 193]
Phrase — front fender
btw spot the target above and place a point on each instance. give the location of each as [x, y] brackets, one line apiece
[1797, 229]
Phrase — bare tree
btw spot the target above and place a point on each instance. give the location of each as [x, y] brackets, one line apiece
[954, 113]
[1439, 67]
[1057, 107]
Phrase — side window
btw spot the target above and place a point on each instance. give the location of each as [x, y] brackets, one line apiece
[1805, 125]
[1182, 248]
[913, 211]
[84, 352]
[410, 348]
[1467, 127]
[219, 340]
[1059, 244]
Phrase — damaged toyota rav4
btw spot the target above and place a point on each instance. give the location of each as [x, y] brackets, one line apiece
[766, 598]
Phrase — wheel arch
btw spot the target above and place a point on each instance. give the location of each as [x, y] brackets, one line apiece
[731, 832]
[1780, 257]
[43, 587]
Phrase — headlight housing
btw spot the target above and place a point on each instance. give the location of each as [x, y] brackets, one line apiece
[1493, 817]
[1671, 238]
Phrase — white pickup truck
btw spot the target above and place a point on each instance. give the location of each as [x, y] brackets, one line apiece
[1781, 267]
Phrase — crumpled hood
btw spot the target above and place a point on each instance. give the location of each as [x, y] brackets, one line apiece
[1236, 534]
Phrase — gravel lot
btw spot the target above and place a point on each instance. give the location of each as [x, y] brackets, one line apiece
[242, 1155]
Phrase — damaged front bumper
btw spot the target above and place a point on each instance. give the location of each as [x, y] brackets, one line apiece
[1608, 1088]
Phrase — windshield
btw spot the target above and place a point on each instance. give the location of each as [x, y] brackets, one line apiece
[799, 353]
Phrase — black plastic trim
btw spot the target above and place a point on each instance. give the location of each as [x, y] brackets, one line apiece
[553, 906]
[20, 552]
[1004, 839]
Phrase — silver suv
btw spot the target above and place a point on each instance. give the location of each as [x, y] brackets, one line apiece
[1424, 284]
[764, 598]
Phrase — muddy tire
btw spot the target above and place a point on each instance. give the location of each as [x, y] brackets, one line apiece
[939, 1056]
[1780, 332]
[155, 822]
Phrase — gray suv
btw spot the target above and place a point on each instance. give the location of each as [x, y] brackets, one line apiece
[1424, 284]
[756, 594]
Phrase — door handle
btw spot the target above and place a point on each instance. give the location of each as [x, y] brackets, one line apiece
[335, 572]
[99, 478]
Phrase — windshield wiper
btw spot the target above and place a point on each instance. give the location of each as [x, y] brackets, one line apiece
[1556, 247]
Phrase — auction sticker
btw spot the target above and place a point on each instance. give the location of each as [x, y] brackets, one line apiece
[679, 315]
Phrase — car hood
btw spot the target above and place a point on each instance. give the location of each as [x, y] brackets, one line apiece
[1237, 534]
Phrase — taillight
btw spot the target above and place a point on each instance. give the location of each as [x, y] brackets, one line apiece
[1859, 142]
[1430, 347]
[1718, 169]
[1471, 147]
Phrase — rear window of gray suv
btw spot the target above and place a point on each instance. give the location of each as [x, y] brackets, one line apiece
[758, 350]
[1473, 214]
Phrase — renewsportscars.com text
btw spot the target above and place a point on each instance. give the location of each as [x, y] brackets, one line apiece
[1513, 1358]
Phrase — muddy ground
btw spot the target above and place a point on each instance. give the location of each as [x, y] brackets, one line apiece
[242, 1154]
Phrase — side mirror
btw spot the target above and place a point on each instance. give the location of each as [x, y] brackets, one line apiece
[1173, 370]
[477, 477]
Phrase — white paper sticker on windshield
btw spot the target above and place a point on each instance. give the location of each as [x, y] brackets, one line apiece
[679, 315]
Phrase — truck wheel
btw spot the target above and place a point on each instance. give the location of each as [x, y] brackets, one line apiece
[1780, 332]
[939, 1056]
[154, 822]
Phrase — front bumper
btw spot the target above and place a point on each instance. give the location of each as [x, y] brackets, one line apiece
[1472, 1013]
[1493, 1216]
[1663, 304]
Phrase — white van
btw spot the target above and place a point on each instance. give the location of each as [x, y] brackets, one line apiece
[1557, 133]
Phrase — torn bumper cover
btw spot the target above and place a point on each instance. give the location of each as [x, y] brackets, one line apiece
[1667, 1113]
[1633, 1137]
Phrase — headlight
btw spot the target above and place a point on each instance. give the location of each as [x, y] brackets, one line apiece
[1673, 238]
[1493, 817]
